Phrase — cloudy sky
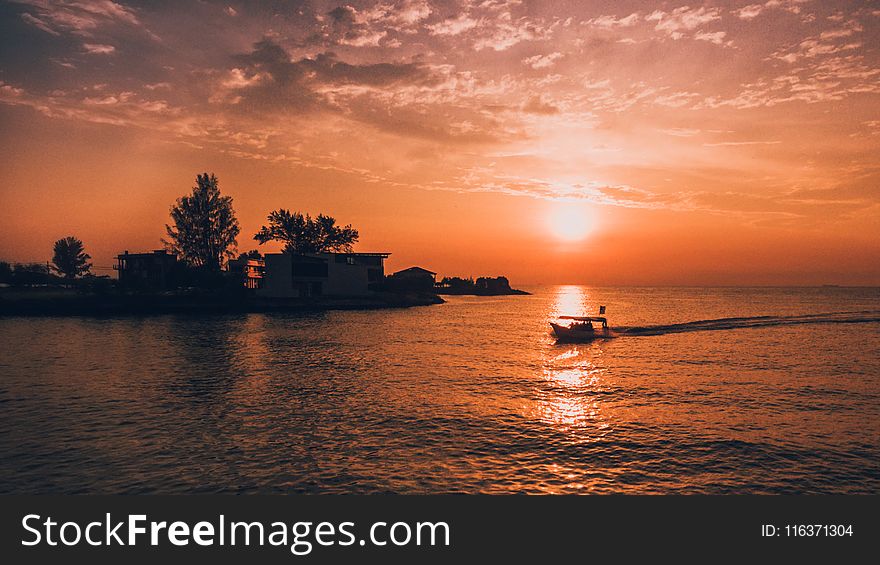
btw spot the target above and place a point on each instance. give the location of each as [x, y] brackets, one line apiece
[605, 142]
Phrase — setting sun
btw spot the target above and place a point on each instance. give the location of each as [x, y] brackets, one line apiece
[569, 223]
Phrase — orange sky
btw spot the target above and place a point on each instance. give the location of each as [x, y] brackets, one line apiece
[554, 142]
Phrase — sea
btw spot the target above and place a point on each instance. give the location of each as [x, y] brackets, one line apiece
[701, 390]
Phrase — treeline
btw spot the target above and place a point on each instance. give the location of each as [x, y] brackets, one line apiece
[479, 286]
[26, 273]
[69, 262]
[204, 229]
[203, 235]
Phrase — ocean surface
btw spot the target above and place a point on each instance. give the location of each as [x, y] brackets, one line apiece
[716, 390]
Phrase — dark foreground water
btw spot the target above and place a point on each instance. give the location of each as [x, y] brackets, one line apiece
[470, 396]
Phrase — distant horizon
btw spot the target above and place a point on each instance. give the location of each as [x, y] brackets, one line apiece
[620, 143]
[109, 270]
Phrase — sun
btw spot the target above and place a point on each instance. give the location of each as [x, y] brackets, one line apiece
[569, 222]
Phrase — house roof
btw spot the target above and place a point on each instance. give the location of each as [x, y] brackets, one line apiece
[415, 270]
[155, 253]
[377, 254]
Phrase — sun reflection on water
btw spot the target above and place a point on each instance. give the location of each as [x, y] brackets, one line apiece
[568, 393]
[570, 301]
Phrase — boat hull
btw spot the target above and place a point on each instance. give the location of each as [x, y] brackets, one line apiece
[563, 333]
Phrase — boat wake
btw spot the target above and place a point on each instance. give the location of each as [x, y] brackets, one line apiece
[863, 317]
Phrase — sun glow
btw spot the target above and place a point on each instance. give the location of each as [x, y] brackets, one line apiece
[569, 222]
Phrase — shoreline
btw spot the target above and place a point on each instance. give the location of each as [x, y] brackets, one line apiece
[453, 292]
[64, 305]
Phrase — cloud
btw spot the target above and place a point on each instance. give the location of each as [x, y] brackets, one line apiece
[369, 26]
[738, 143]
[501, 31]
[752, 11]
[675, 23]
[98, 49]
[681, 132]
[391, 96]
[409, 12]
[329, 68]
[453, 26]
[39, 24]
[749, 12]
[424, 78]
[676, 99]
[80, 17]
[536, 105]
[269, 71]
[349, 28]
[816, 46]
[542, 61]
[609, 22]
[9, 91]
[716, 37]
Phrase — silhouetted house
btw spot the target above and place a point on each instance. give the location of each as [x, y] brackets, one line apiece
[322, 274]
[250, 270]
[150, 271]
[414, 278]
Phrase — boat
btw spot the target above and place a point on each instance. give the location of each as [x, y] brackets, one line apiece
[581, 328]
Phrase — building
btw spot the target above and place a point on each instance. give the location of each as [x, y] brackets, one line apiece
[322, 274]
[157, 270]
[251, 271]
[412, 279]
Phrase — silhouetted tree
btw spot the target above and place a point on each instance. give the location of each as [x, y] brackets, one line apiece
[458, 283]
[30, 273]
[303, 234]
[205, 228]
[252, 254]
[70, 258]
[5, 272]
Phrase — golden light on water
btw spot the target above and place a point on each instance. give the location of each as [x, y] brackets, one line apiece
[570, 301]
[571, 373]
[571, 377]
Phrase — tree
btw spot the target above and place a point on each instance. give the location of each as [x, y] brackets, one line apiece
[252, 254]
[30, 273]
[70, 258]
[303, 234]
[5, 272]
[205, 228]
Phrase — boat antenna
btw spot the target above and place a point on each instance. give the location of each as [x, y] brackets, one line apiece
[601, 310]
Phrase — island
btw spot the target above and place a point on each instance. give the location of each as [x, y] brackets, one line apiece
[482, 286]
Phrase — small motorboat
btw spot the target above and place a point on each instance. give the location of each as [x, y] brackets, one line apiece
[581, 328]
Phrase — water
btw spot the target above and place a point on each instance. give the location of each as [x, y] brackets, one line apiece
[470, 396]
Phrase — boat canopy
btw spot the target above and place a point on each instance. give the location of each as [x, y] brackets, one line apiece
[604, 321]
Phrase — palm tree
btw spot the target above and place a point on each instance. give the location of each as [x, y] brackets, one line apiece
[70, 258]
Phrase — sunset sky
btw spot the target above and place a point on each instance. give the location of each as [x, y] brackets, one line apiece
[606, 142]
